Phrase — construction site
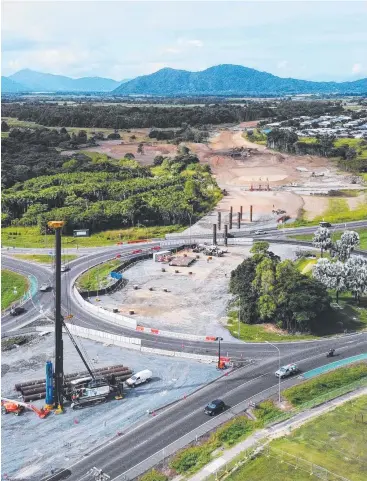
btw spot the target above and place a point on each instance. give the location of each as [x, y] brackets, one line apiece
[191, 299]
[251, 174]
[79, 389]
[81, 431]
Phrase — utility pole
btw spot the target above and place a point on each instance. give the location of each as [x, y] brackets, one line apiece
[59, 357]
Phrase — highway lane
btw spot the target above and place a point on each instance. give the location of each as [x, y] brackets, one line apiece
[26, 269]
[245, 231]
[140, 442]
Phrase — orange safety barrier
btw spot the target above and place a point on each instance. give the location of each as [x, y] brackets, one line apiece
[138, 241]
[139, 328]
[210, 338]
[154, 331]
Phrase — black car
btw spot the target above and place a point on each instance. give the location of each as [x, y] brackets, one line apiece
[16, 311]
[215, 407]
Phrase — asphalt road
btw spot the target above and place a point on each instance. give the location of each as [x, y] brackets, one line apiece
[143, 441]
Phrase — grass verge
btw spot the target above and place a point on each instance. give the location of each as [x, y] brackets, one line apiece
[96, 278]
[13, 287]
[338, 211]
[30, 237]
[333, 442]
[44, 258]
[314, 388]
[193, 458]
[261, 332]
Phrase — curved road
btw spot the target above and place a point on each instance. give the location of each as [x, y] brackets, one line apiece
[133, 448]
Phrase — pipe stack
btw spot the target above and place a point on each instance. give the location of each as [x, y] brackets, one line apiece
[33, 390]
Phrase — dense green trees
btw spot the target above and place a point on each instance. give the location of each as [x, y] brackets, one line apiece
[287, 141]
[269, 290]
[124, 117]
[102, 193]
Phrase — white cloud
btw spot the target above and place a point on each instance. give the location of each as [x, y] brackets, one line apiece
[282, 64]
[172, 50]
[190, 43]
[357, 68]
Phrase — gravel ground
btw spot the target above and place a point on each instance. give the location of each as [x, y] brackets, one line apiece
[32, 446]
[195, 304]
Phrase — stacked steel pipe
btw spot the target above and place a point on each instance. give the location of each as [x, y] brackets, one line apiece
[33, 390]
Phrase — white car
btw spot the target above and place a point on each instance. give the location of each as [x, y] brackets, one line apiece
[288, 370]
[45, 287]
[65, 268]
[259, 232]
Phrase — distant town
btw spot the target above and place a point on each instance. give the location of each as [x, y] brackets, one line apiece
[338, 126]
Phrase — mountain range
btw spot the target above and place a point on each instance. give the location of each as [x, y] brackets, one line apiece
[27, 80]
[230, 80]
[223, 79]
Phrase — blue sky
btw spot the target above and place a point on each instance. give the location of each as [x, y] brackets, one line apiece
[310, 40]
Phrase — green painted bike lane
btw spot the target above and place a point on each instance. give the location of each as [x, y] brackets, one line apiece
[333, 365]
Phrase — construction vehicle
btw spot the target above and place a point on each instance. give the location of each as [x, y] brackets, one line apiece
[91, 390]
[17, 407]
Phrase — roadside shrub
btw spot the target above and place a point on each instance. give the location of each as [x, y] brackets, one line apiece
[232, 431]
[191, 459]
[154, 475]
[309, 390]
[266, 411]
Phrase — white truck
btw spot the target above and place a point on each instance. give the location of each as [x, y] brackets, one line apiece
[139, 378]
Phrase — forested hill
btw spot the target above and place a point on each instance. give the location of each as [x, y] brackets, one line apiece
[230, 80]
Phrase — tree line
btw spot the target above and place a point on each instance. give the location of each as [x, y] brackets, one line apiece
[123, 117]
[288, 141]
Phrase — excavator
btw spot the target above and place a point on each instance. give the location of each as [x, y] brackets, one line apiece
[17, 407]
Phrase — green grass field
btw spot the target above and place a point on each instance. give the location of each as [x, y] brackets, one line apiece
[30, 236]
[335, 441]
[96, 278]
[13, 287]
[45, 258]
[125, 136]
[259, 332]
[358, 144]
[338, 211]
[335, 236]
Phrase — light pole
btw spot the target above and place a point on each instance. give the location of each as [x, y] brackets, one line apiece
[219, 339]
[267, 342]
[239, 319]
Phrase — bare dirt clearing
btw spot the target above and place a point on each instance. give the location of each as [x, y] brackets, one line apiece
[268, 180]
[195, 303]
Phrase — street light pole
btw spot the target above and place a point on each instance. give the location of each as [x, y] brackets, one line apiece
[219, 339]
[279, 398]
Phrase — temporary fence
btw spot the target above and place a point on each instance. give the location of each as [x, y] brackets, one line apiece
[130, 343]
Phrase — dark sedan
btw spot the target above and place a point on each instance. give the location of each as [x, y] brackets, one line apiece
[16, 311]
[215, 407]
